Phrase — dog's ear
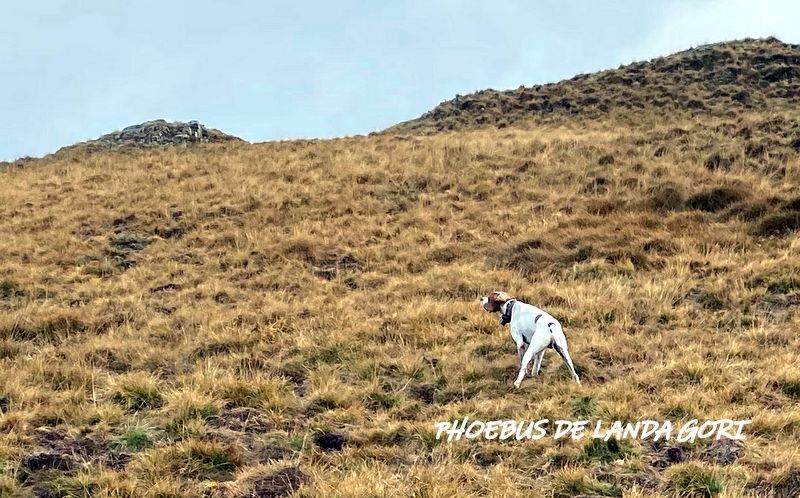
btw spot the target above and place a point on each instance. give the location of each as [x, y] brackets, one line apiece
[497, 299]
[500, 297]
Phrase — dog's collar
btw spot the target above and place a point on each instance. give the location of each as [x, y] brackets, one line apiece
[505, 317]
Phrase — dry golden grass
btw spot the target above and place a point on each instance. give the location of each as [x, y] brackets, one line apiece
[188, 322]
[720, 79]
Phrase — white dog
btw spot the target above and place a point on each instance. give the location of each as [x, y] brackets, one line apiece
[532, 329]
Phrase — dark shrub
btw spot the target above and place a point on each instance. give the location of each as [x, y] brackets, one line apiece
[742, 97]
[49, 331]
[528, 244]
[658, 246]
[747, 211]
[792, 205]
[603, 207]
[638, 260]
[716, 162]
[330, 441]
[579, 256]
[784, 286]
[10, 290]
[753, 149]
[527, 257]
[423, 392]
[715, 199]
[46, 461]
[780, 223]
[710, 301]
[284, 482]
[790, 388]
[598, 185]
[606, 160]
[695, 104]
[129, 241]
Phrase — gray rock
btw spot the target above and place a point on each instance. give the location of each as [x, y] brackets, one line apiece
[158, 133]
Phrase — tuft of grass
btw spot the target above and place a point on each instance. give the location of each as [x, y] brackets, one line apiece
[588, 272]
[189, 411]
[675, 412]
[220, 347]
[323, 403]
[193, 459]
[329, 355]
[379, 400]
[572, 481]
[694, 480]
[137, 392]
[710, 301]
[666, 197]
[9, 349]
[473, 376]
[9, 486]
[66, 486]
[583, 406]
[265, 394]
[48, 331]
[210, 459]
[607, 451]
[134, 440]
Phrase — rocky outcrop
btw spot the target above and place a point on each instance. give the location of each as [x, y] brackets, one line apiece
[158, 133]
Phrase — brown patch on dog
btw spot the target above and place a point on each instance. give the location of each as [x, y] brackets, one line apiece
[495, 301]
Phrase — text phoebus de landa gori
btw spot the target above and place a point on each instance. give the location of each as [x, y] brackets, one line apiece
[578, 429]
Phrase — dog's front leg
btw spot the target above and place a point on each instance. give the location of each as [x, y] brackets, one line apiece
[521, 350]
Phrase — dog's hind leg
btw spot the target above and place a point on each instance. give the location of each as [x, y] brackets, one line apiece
[523, 368]
[537, 345]
[560, 345]
[537, 363]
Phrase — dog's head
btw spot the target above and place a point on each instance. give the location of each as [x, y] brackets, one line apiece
[494, 301]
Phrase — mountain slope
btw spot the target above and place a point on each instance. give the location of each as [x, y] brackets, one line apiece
[719, 79]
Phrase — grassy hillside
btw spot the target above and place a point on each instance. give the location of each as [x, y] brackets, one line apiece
[721, 79]
[199, 321]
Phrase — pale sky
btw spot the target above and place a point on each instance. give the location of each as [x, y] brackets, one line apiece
[265, 70]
